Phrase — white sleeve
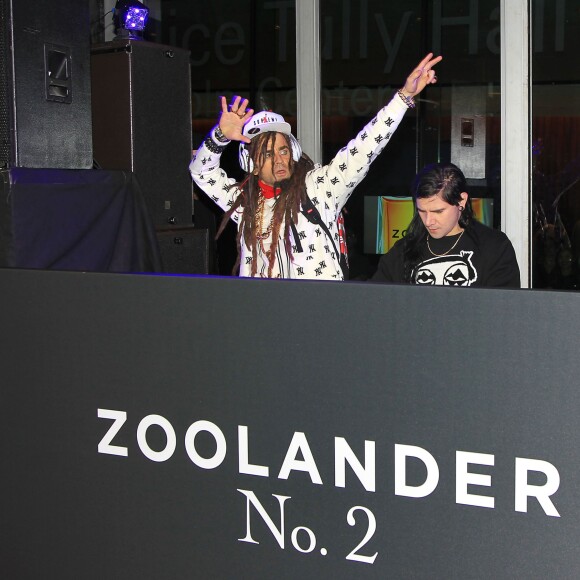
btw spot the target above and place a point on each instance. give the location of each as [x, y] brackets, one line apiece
[351, 164]
[210, 177]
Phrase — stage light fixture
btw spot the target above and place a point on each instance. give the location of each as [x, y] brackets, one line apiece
[130, 18]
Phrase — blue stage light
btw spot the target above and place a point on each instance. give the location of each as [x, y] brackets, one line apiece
[135, 19]
[130, 18]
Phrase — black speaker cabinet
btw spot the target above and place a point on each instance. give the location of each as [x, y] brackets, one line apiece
[185, 250]
[141, 100]
[45, 93]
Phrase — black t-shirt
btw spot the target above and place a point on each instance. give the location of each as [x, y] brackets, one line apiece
[480, 256]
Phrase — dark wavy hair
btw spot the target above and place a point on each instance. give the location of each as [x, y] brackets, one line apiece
[437, 178]
[286, 208]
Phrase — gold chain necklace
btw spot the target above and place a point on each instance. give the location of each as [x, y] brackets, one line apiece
[259, 223]
[259, 226]
[444, 254]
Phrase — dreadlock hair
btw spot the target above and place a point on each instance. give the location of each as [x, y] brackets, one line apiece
[447, 180]
[286, 207]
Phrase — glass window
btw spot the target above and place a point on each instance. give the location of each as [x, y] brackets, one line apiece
[368, 49]
[244, 48]
[555, 145]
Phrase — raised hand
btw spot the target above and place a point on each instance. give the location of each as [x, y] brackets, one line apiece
[233, 118]
[421, 76]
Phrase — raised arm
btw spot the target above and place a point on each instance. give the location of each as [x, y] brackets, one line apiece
[205, 166]
[350, 165]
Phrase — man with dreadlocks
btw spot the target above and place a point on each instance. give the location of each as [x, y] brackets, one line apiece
[287, 209]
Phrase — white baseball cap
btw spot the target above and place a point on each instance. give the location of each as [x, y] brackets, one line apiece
[266, 121]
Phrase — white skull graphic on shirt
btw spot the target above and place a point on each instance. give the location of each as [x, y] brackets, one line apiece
[452, 270]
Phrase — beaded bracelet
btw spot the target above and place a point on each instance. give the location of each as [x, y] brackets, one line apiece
[409, 101]
[213, 146]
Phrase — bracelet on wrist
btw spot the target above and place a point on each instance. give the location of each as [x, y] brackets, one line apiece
[213, 146]
[409, 101]
[218, 134]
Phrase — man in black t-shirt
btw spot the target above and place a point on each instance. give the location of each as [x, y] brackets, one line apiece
[444, 244]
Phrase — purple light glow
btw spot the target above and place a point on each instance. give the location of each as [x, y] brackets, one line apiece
[136, 18]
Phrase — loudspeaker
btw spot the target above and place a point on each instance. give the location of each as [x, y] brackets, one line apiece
[185, 251]
[141, 102]
[45, 108]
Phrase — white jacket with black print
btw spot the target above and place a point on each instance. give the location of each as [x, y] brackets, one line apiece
[328, 186]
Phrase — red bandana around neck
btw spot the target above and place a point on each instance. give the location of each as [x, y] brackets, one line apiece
[268, 190]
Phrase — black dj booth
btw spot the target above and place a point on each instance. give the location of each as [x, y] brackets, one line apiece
[158, 426]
